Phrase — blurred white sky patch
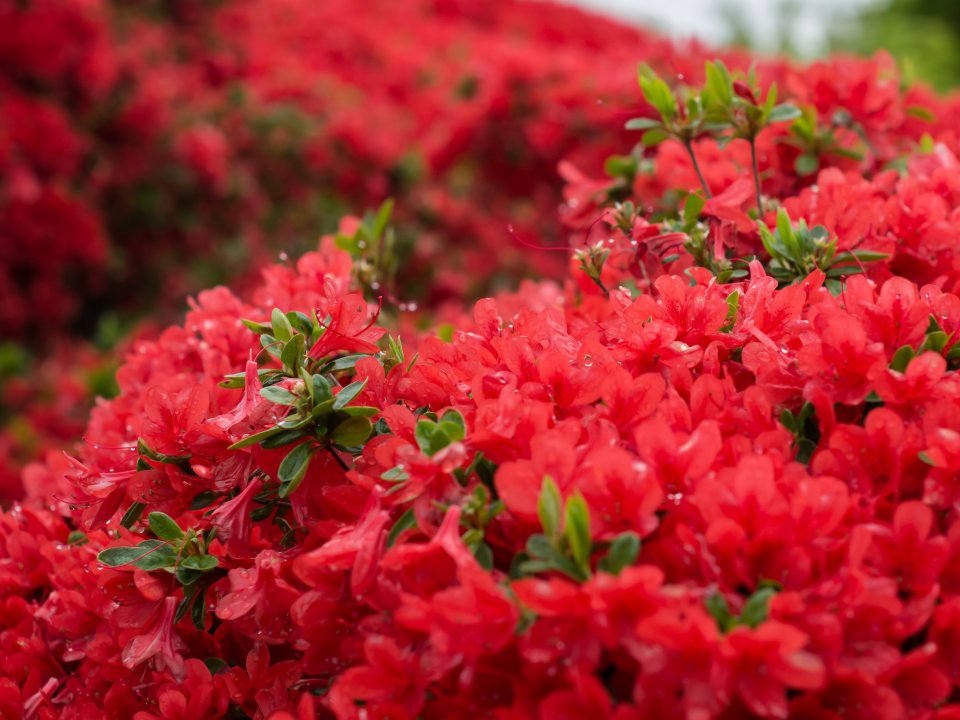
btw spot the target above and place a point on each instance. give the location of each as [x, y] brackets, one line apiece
[805, 23]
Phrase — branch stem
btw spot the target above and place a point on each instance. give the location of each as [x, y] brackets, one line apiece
[756, 177]
[696, 167]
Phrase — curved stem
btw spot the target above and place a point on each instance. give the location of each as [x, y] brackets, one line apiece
[756, 177]
[696, 167]
[336, 456]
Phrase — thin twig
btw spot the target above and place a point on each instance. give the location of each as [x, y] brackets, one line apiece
[696, 167]
[756, 177]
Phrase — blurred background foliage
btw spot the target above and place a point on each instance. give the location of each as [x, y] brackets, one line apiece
[924, 35]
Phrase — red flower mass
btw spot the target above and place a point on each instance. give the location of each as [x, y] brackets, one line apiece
[710, 471]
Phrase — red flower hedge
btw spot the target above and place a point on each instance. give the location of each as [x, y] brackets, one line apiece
[713, 472]
[166, 135]
[167, 146]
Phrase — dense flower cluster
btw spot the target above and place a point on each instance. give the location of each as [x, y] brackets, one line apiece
[183, 138]
[713, 472]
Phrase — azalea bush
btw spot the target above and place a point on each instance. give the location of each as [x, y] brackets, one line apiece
[185, 138]
[167, 146]
[710, 470]
[164, 147]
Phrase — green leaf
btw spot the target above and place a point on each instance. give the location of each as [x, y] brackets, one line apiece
[157, 555]
[296, 421]
[733, 310]
[623, 553]
[484, 555]
[654, 137]
[769, 241]
[642, 123]
[784, 113]
[258, 328]
[294, 467]
[255, 438]
[577, 530]
[719, 83]
[784, 228]
[546, 558]
[301, 323]
[352, 432]
[424, 433]
[693, 207]
[788, 421]
[806, 164]
[620, 166]
[395, 474]
[202, 563]
[405, 522]
[282, 329]
[920, 112]
[148, 555]
[284, 437]
[925, 458]
[278, 395]
[360, 411]
[186, 577]
[322, 389]
[343, 398]
[453, 426]
[843, 271]
[198, 613]
[934, 342]
[718, 608]
[757, 607]
[216, 665]
[383, 218]
[146, 451]
[869, 255]
[550, 507]
[119, 556]
[901, 358]
[293, 352]
[132, 514]
[656, 92]
[164, 526]
[347, 362]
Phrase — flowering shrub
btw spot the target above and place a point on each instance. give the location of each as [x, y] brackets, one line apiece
[710, 472]
[181, 138]
[174, 135]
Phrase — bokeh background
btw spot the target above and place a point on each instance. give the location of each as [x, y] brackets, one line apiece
[921, 34]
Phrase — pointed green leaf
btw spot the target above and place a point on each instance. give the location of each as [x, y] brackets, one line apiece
[201, 563]
[405, 522]
[343, 398]
[294, 467]
[642, 123]
[255, 438]
[278, 395]
[550, 507]
[577, 530]
[757, 607]
[282, 330]
[164, 526]
[352, 432]
[623, 553]
[784, 113]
